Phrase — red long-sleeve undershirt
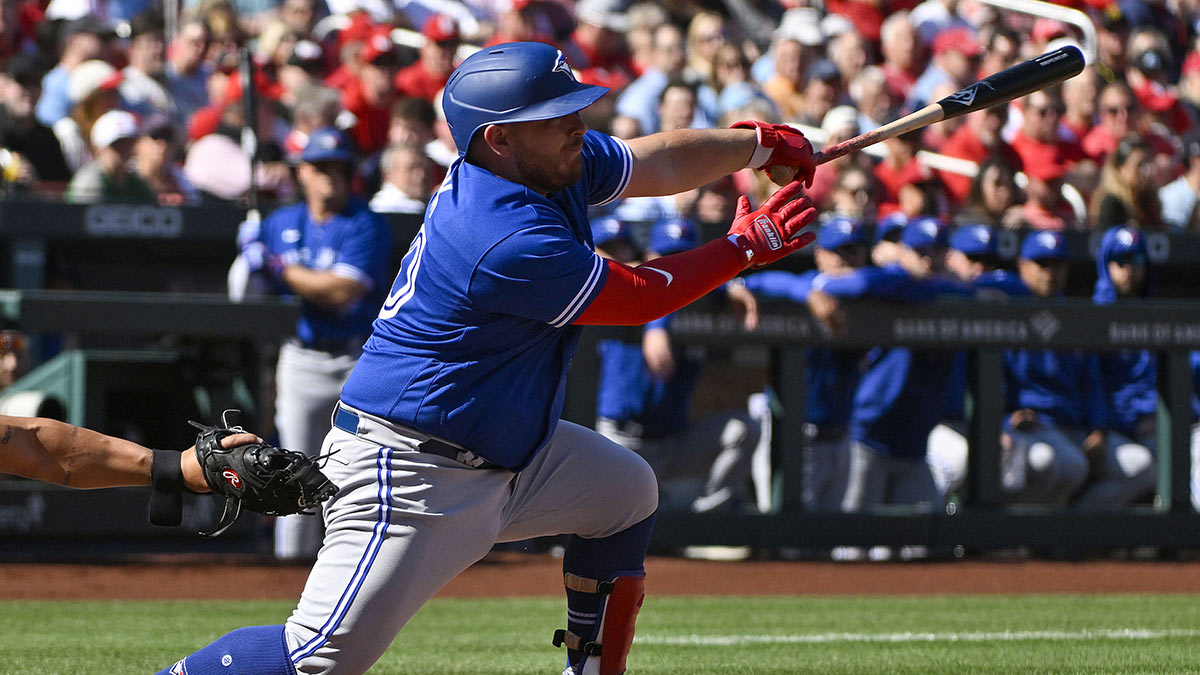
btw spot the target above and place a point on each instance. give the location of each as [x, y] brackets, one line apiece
[636, 295]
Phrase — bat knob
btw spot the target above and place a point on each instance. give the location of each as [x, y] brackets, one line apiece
[781, 174]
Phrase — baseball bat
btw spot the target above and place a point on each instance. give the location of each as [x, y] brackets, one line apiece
[249, 140]
[1014, 82]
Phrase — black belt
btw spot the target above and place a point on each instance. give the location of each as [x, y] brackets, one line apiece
[346, 346]
[347, 420]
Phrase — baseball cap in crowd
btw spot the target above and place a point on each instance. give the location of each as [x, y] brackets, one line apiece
[959, 39]
[673, 235]
[88, 24]
[608, 14]
[923, 232]
[842, 119]
[1124, 244]
[823, 70]
[1044, 245]
[609, 229]
[26, 70]
[890, 226]
[1045, 30]
[803, 25]
[974, 239]
[112, 126]
[89, 76]
[380, 50]
[440, 28]
[327, 144]
[307, 55]
[841, 231]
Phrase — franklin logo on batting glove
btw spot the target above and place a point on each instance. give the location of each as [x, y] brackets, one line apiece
[770, 234]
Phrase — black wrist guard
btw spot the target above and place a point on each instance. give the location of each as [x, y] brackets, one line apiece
[166, 488]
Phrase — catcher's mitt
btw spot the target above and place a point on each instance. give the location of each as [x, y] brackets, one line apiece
[260, 477]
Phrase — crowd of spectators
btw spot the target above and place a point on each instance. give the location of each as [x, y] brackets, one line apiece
[1116, 145]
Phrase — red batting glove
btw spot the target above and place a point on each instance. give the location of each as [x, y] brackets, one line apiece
[773, 230]
[780, 145]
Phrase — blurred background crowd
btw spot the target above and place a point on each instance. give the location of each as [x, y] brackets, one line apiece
[140, 101]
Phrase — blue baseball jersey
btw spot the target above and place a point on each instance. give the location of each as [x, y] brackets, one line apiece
[355, 243]
[994, 284]
[628, 392]
[831, 374]
[900, 394]
[474, 341]
[1065, 387]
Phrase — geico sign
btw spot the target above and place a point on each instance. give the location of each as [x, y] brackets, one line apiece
[151, 222]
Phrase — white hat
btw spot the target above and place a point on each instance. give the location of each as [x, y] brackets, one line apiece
[608, 14]
[90, 76]
[802, 24]
[840, 118]
[112, 126]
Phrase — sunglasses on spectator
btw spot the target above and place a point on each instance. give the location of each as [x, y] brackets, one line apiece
[1117, 109]
[1046, 112]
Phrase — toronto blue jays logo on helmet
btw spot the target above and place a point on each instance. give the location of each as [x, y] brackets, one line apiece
[561, 65]
[1126, 237]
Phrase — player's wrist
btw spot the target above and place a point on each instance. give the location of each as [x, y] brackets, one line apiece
[193, 474]
[745, 251]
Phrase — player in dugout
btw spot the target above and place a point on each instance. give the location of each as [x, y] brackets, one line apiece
[447, 438]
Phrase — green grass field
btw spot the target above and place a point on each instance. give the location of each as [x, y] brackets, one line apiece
[676, 635]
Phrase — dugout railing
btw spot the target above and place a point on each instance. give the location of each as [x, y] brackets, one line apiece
[154, 277]
[981, 519]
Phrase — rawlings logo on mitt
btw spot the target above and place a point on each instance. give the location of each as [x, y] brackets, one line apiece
[260, 477]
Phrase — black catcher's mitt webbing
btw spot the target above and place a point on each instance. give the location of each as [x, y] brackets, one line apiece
[259, 477]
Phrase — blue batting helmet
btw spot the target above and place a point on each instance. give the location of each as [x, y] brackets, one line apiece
[512, 82]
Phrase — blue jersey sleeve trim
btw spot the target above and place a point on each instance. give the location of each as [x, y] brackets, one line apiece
[352, 273]
[577, 305]
[626, 173]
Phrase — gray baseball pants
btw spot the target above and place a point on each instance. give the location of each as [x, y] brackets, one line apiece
[406, 523]
[308, 383]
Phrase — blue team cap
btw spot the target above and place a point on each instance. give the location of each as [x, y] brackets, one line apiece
[327, 144]
[975, 239]
[609, 229]
[924, 232]
[1044, 245]
[841, 231]
[889, 225]
[673, 235]
[1124, 244]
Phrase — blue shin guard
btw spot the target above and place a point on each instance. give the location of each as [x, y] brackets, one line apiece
[261, 650]
[604, 580]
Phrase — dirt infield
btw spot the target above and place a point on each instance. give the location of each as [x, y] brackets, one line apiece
[524, 575]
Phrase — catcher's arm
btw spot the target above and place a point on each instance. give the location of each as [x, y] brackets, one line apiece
[64, 454]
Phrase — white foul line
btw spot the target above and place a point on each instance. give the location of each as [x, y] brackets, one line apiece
[1005, 636]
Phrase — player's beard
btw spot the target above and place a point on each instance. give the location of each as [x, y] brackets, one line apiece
[544, 176]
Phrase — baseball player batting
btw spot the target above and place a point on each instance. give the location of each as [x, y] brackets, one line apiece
[447, 437]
